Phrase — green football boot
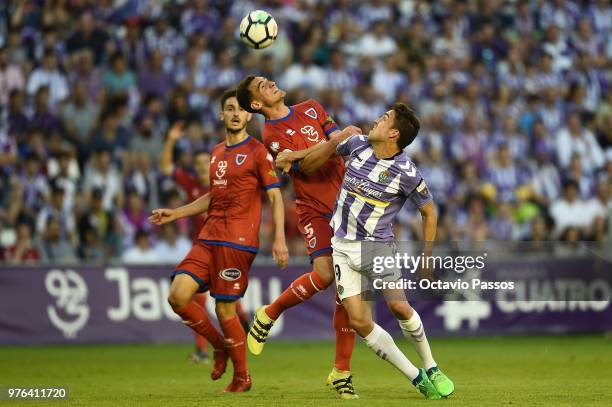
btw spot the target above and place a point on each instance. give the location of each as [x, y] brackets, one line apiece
[425, 386]
[441, 382]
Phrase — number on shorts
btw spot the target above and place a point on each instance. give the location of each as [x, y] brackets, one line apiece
[338, 273]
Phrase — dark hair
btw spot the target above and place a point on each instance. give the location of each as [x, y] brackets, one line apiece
[198, 152]
[230, 93]
[406, 123]
[243, 94]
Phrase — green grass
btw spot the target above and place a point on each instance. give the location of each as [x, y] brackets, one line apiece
[518, 371]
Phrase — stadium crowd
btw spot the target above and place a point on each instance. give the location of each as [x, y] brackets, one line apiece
[514, 99]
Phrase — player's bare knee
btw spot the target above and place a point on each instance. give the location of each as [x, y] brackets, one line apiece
[323, 266]
[225, 310]
[179, 298]
[360, 324]
[400, 309]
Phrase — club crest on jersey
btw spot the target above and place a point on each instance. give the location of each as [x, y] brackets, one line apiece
[275, 146]
[311, 112]
[230, 274]
[383, 176]
[240, 158]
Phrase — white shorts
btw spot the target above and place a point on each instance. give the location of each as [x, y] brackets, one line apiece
[352, 277]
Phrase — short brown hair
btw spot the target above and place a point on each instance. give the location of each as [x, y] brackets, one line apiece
[244, 96]
[230, 93]
[406, 123]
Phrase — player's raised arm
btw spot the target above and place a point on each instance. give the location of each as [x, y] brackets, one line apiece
[174, 134]
[311, 159]
[165, 215]
[279, 248]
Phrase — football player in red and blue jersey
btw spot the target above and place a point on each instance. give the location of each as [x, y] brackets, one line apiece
[219, 262]
[298, 128]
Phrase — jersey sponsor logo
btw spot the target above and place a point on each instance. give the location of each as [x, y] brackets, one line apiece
[311, 112]
[362, 186]
[230, 274]
[311, 133]
[240, 158]
[220, 173]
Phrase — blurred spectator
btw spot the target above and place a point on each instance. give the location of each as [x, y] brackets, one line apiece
[55, 210]
[26, 249]
[118, 79]
[153, 79]
[304, 73]
[88, 36]
[56, 247]
[102, 174]
[576, 139]
[141, 252]
[43, 118]
[171, 247]
[79, 117]
[49, 75]
[11, 77]
[376, 42]
[571, 211]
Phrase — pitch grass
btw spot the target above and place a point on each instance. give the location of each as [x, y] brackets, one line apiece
[517, 371]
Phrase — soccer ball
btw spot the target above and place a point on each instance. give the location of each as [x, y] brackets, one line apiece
[258, 29]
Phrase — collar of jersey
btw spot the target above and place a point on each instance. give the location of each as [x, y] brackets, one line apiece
[239, 144]
[282, 118]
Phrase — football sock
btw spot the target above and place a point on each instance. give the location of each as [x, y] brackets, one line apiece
[235, 344]
[301, 289]
[200, 341]
[345, 339]
[385, 348]
[413, 330]
[195, 317]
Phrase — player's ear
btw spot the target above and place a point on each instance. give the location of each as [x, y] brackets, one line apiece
[394, 134]
[256, 105]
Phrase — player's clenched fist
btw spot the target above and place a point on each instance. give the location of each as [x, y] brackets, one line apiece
[280, 253]
[176, 131]
[162, 216]
[284, 160]
[349, 131]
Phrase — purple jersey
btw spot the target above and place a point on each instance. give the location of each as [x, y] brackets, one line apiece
[373, 192]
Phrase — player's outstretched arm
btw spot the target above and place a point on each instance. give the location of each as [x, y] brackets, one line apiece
[313, 158]
[165, 215]
[174, 134]
[279, 248]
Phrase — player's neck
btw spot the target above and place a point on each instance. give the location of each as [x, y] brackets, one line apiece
[235, 138]
[277, 112]
[385, 151]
